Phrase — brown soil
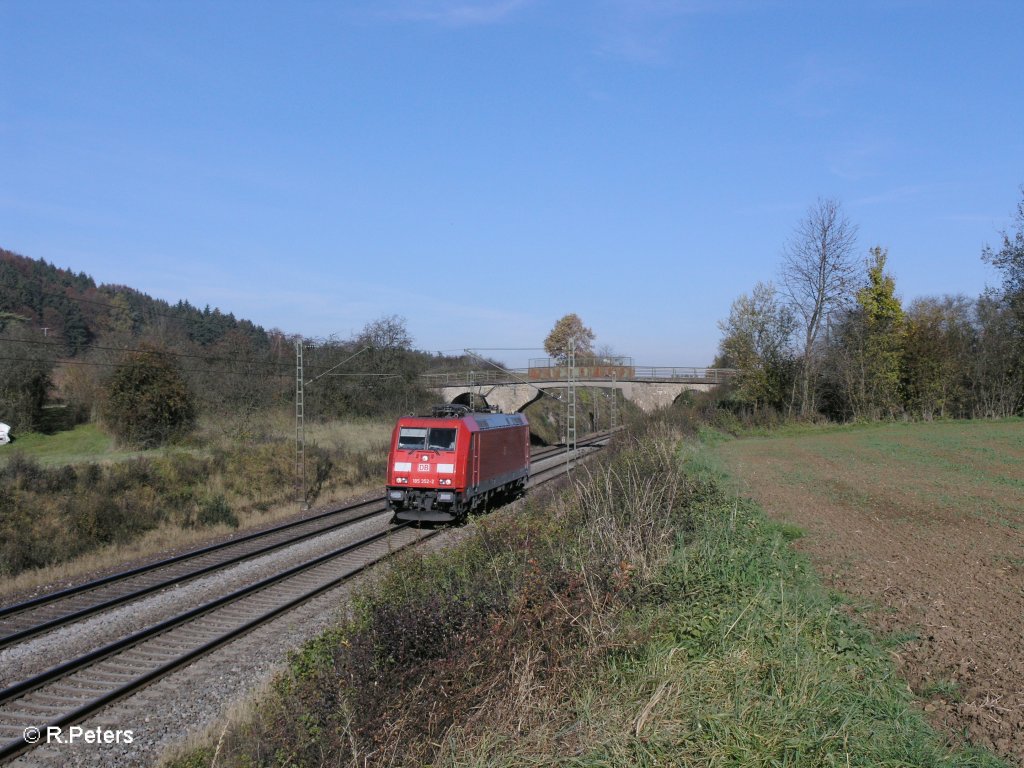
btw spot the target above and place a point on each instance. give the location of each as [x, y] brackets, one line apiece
[945, 570]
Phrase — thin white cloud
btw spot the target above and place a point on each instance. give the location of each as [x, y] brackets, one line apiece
[901, 194]
[644, 31]
[456, 13]
[854, 162]
[819, 88]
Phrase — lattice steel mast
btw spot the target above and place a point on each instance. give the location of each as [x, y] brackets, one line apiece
[300, 427]
[570, 407]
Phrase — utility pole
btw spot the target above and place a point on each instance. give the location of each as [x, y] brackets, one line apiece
[570, 406]
[300, 416]
[300, 427]
[614, 409]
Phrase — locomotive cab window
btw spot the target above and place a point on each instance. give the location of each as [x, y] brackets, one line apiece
[442, 439]
[412, 438]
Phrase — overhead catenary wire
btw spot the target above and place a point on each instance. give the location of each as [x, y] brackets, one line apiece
[354, 354]
[96, 364]
[471, 353]
[154, 350]
[171, 353]
[117, 365]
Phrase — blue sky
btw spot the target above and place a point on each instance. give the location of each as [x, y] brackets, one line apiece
[482, 168]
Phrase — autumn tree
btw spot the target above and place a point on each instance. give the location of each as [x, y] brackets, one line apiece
[882, 315]
[147, 401]
[817, 277]
[569, 333]
[863, 359]
[757, 340]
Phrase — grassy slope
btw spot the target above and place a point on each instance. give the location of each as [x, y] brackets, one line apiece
[952, 468]
[727, 651]
[743, 659]
[85, 442]
[56, 525]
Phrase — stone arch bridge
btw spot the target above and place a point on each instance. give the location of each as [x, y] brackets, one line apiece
[649, 387]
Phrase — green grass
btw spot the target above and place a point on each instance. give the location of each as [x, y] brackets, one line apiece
[954, 467]
[725, 650]
[89, 443]
[73, 496]
[755, 667]
[942, 689]
[84, 443]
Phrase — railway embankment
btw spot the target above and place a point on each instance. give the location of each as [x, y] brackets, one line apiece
[639, 614]
[66, 522]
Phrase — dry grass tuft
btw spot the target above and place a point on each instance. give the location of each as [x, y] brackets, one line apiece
[60, 523]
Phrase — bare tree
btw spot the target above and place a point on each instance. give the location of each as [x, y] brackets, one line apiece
[1009, 260]
[818, 271]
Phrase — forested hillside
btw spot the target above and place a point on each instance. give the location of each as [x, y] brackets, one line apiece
[98, 348]
[76, 311]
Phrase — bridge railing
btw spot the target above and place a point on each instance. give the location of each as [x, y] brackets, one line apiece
[707, 375]
[583, 362]
[583, 373]
[472, 378]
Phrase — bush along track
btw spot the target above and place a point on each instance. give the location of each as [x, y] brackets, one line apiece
[639, 615]
[50, 515]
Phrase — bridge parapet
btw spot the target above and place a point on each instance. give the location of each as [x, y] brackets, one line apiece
[583, 373]
[474, 378]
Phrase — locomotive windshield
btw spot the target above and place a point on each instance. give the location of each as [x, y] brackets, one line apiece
[442, 439]
[412, 438]
[419, 438]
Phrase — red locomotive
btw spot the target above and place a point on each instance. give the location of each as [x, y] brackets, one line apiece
[443, 466]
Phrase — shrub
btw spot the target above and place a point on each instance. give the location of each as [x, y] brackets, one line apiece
[214, 511]
[147, 401]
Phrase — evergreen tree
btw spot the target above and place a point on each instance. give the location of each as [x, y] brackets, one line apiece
[882, 316]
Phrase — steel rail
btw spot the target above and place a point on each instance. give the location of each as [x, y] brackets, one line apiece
[25, 687]
[89, 585]
[14, 610]
[19, 690]
[70, 617]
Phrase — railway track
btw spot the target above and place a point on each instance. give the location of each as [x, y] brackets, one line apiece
[21, 621]
[67, 693]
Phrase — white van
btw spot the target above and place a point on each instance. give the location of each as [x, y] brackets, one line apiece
[5, 434]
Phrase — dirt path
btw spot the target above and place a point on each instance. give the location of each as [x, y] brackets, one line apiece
[931, 537]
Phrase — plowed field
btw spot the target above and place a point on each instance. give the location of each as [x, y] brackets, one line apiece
[922, 525]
